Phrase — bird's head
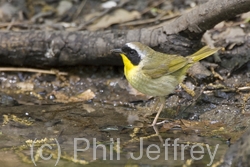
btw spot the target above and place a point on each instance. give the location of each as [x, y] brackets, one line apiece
[133, 53]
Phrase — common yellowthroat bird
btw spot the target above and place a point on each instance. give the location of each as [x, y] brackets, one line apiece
[154, 73]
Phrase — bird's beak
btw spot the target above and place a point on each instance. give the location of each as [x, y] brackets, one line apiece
[116, 51]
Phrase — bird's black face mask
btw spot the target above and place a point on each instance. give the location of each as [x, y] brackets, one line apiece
[132, 55]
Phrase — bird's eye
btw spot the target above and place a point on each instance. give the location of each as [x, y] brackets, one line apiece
[132, 52]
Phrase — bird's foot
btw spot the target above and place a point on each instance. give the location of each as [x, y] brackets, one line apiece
[158, 123]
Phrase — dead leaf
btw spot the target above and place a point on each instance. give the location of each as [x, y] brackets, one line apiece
[88, 108]
[87, 95]
[25, 86]
[118, 16]
[246, 16]
[62, 98]
[169, 125]
[230, 34]
[220, 25]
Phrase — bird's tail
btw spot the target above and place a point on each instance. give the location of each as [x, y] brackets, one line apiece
[203, 53]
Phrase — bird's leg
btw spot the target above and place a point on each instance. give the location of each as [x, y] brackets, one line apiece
[156, 104]
[162, 102]
[157, 133]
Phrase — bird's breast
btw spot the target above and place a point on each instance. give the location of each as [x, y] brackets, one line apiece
[161, 86]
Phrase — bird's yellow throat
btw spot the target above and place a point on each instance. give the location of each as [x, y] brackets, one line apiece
[127, 64]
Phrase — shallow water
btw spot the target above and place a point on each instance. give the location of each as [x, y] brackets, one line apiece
[44, 113]
[76, 132]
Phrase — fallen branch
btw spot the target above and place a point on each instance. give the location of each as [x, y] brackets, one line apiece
[60, 48]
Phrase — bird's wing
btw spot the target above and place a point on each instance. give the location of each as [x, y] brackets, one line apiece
[154, 69]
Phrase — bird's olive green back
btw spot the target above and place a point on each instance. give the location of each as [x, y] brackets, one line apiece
[163, 64]
[159, 64]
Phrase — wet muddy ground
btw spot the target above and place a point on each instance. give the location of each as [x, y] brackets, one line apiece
[92, 114]
[93, 109]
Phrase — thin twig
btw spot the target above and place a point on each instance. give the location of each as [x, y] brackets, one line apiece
[155, 4]
[244, 88]
[39, 15]
[147, 21]
[79, 10]
[55, 72]
[20, 24]
[217, 75]
[11, 24]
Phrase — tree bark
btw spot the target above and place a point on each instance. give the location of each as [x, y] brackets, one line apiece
[60, 48]
[206, 16]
